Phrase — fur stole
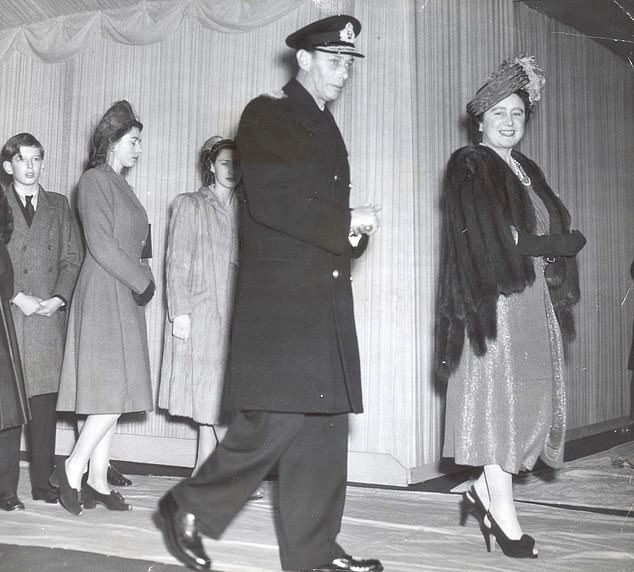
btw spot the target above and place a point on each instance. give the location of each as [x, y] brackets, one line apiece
[482, 200]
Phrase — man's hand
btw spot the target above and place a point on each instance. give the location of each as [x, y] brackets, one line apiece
[181, 328]
[364, 219]
[50, 306]
[28, 305]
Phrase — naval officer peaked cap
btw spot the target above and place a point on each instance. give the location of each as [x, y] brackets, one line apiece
[335, 34]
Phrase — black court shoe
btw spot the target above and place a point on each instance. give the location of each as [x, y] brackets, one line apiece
[69, 497]
[181, 534]
[347, 562]
[113, 501]
[116, 479]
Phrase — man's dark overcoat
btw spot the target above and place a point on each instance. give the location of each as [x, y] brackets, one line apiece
[294, 345]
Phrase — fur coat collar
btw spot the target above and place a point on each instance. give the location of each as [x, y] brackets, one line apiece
[482, 200]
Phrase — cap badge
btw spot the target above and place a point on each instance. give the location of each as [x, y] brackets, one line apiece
[347, 34]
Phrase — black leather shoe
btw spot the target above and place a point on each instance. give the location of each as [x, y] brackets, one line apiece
[347, 562]
[112, 501]
[50, 495]
[69, 497]
[11, 502]
[181, 534]
[116, 479]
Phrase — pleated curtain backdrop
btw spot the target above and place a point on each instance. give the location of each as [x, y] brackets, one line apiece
[189, 68]
[583, 139]
[458, 44]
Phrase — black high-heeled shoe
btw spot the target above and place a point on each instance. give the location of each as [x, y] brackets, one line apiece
[471, 502]
[474, 498]
[69, 497]
[113, 501]
[522, 548]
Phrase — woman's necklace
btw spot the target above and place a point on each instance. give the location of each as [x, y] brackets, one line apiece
[519, 172]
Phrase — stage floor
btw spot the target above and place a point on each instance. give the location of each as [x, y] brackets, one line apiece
[582, 518]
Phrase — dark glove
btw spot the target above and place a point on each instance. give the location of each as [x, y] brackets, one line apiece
[143, 298]
[550, 245]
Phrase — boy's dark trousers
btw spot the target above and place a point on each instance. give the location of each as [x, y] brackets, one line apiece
[40, 442]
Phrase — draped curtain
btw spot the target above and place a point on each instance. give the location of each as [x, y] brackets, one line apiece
[189, 68]
[144, 23]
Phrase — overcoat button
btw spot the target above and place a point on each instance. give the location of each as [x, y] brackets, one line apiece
[321, 396]
[336, 177]
[335, 273]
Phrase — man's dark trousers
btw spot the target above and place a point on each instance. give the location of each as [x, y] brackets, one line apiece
[311, 452]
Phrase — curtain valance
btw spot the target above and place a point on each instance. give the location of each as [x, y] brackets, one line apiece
[62, 38]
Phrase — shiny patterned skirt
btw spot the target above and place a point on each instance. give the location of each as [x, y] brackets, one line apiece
[508, 407]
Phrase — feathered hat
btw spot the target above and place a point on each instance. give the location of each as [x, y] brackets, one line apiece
[517, 72]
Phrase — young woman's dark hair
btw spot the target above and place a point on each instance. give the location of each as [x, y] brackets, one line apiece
[114, 124]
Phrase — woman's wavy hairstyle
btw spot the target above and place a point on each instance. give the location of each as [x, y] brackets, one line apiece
[115, 123]
[476, 120]
[209, 153]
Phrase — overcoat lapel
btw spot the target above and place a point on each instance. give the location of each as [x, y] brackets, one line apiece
[42, 217]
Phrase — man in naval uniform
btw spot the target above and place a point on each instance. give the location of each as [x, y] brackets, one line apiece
[293, 375]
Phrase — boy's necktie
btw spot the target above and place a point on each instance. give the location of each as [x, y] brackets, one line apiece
[30, 211]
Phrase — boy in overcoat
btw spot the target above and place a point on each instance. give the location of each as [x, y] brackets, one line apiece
[46, 252]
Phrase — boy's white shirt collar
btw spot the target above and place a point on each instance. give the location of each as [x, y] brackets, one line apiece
[35, 194]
